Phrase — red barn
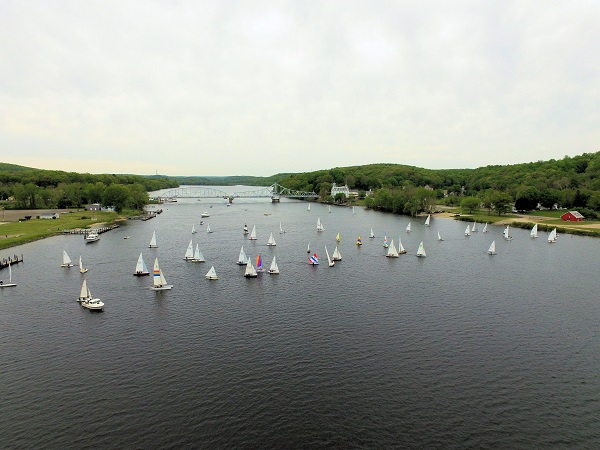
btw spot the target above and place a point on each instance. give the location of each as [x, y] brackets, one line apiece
[572, 216]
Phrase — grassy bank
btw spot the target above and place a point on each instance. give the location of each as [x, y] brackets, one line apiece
[17, 233]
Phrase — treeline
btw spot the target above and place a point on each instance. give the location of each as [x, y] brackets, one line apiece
[36, 188]
[571, 182]
[230, 180]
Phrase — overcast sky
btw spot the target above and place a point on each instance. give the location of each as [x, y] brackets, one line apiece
[261, 87]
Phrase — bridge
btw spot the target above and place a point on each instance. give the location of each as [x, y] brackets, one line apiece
[275, 192]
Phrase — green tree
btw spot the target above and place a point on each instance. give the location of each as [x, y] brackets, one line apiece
[501, 202]
[116, 195]
[470, 203]
[527, 198]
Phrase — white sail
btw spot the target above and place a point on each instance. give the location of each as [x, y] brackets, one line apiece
[308, 248]
[212, 273]
[439, 237]
[421, 250]
[271, 242]
[337, 256]
[392, 252]
[353, 210]
[274, 269]
[492, 249]
[329, 206]
[253, 233]
[159, 280]
[485, 230]
[308, 209]
[408, 228]
[534, 231]
[372, 235]
[10, 283]
[81, 268]
[83, 292]
[427, 220]
[506, 233]
[320, 226]
[189, 253]
[329, 260]
[208, 228]
[198, 256]
[66, 260]
[140, 267]
[250, 270]
[281, 229]
[242, 259]
[552, 236]
[153, 240]
[468, 231]
[474, 227]
[193, 229]
[401, 249]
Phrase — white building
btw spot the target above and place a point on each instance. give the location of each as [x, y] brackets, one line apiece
[340, 190]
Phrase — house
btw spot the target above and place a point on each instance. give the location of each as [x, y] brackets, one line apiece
[93, 207]
[340, 190]
[572, 216]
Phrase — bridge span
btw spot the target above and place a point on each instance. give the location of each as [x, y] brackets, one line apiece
[275, 192]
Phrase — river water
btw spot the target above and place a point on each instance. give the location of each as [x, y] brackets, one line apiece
[456, 350]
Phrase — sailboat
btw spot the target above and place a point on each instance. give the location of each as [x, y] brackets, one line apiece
[281, 229]
[160, 283]
[372, 235]
[439, 237]
[250, 270]
[10, 283]
[427, 220]
[81, 268]
[274, 270]
[485, 230]
[329, 208]
[468, 231]
[392, 252]
[329, 260]
[208, 230]
[253, 234]
[87, 300]
[408, 228]
[353, 210]
[212, 274]
[474, 227]
[66, 260]
[189, 253]
[271, 242]
[421, 250]
[492, 249]
[506, 233]
[358, 241]
[401, 249]
[153, 241]
[83, 292]
[552, 236]
[337, 238]
[198, 256]
[140, 267]
[259, 264]
[313, 260]
[337, 256]
[242, 259]
[194, 229]
[308, 209]
[320, 226]
[534, 231]
[245, 229]
[385, 242]
[308, 248]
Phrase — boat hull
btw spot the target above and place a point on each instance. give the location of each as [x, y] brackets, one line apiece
[141, 274]
[166, 287]
[8, 285]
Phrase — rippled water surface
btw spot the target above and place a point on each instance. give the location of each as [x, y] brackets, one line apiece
[456, 350]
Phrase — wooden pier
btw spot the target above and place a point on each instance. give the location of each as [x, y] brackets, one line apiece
[98, 230]
[5, 262]
[145, 216]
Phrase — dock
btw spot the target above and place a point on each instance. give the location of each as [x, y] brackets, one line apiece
[15, 259]
[98, 230]
[145, 217]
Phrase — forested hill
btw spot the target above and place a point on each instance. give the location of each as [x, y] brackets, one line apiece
[571, 181]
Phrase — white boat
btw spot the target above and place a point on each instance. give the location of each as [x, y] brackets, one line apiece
[392, 252]
[87, 300]
[408, 228]
[320, 226]
[250, 270]
[308, 209]
[205, 214]
[92, 236]
[506, 233]
[329, 260]
[534, 231]
[242, 259]
[281, 229]
[189, 253]
[153, 241]
[427, 220]
[474, 228]
[208, 230]
[439, 237]
[421, 250]
[385, 242]
[492, 249]
[271, 242]
[372, 235]
[66, 260]
[160, 283]
[212, 274]
[10, 283]
[253, 234]
[468, 231]
[337, 256]
[485, 230]
[245, 229]
[198, 257]
[140, 268]
[308, 248]
[552, 236]
[401, 249]
[194, 229]
[274, 270]
[81, 268]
